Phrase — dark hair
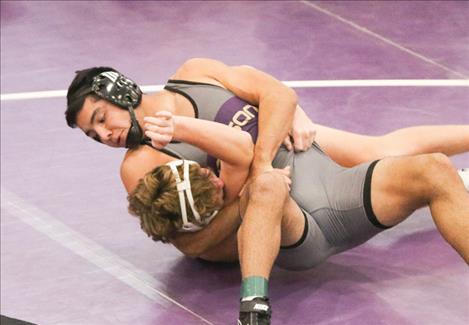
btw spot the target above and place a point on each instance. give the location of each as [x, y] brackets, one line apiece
[78, 90]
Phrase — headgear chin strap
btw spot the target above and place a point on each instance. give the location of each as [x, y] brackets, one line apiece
[123, 92]
[184, 187]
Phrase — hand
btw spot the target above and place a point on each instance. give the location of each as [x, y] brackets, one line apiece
[302, 132]
[160, 129]
[257, 169]
[284, 172]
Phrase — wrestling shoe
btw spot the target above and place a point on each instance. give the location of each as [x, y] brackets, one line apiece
[464, 174]
[255, 312]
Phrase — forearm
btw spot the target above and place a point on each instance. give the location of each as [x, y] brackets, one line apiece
[276, 102]
[225, 251]
[230, 145]
[300, 114]
[276, 111]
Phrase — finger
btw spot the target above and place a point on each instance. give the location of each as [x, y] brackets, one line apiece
[309, 139]
[283, 171]
[158, 137]
[288, 182]
[154, 137]
[164, 114]
[306, 143]
[286, 171]
[157, 121]
[298, 143]
[313, 136]
[287, 143]
[158, 129]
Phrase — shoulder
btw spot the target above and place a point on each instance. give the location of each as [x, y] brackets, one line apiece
[203, 70]
[199, 64]
[137, 162]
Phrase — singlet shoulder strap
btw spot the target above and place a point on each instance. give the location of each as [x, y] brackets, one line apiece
[186, 82]
[206, 99]
[181, 150]
[172, 86]
[166, 150]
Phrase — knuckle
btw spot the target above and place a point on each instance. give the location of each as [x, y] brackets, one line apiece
[297, 133]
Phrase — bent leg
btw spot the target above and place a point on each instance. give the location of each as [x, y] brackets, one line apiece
[447, 139]
[401, 185]
[259, 236]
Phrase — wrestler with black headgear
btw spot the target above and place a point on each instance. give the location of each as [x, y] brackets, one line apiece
[279, 115]
[115, 88]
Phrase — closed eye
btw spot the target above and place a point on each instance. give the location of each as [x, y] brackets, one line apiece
[102, 118]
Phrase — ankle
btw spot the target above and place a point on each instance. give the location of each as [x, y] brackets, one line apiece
[253, 287]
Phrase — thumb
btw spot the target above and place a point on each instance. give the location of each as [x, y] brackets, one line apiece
[299, 144]
[287, 143]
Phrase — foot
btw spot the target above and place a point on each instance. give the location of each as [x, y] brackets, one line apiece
[464, 174]
[255, 312]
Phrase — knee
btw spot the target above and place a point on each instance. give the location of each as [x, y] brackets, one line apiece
[435, 162]
[266, 190]
[435, 169]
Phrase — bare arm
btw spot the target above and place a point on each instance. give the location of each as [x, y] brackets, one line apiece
[303, 132]
[276, 102]
[233, 147]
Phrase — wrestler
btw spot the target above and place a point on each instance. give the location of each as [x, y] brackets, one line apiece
[192, 91]
[333, 208]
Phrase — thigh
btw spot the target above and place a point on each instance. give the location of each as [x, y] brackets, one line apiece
[358, 149]
[293, 223]
[397, 188]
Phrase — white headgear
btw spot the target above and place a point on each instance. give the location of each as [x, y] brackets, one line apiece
[184, 186]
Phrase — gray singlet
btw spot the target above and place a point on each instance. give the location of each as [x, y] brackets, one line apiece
[335, 200]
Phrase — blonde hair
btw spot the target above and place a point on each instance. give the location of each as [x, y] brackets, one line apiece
[155, 201]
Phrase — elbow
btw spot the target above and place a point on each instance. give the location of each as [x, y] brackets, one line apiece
[291, 96]
[282, 95]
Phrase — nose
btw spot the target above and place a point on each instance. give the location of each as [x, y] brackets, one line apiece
[103, 133]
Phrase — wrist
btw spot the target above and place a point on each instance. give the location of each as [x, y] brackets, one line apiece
[179, 123]
[260, 166]
[262, 156]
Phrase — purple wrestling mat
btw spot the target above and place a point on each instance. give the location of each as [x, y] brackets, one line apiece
[70, 252]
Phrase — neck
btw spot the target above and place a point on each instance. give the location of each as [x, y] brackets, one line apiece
[149, 105]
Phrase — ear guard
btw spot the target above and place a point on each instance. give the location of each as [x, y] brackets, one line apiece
[184, 189]
[123, 92]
